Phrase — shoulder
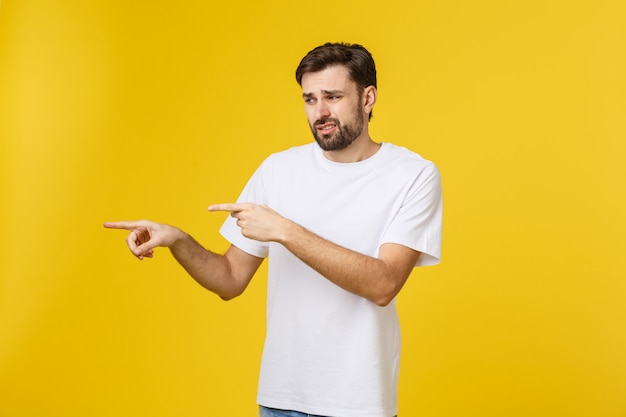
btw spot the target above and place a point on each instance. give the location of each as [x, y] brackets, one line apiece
[295, 153]
[406, 160]
[294, 156]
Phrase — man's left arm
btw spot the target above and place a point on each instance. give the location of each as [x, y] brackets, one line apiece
[378, 279]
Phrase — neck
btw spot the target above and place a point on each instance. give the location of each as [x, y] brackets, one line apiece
[359, 150]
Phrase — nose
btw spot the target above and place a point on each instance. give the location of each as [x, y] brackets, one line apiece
[321, 110]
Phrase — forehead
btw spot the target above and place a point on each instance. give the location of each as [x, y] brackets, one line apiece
[332, 78]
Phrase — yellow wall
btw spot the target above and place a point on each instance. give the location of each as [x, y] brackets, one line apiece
[116, 110]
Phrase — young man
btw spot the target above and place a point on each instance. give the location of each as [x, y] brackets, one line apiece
[343, 222]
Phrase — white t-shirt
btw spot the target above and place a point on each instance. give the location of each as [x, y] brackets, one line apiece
[328, 351]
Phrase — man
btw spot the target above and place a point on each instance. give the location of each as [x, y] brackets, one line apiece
[343, 222]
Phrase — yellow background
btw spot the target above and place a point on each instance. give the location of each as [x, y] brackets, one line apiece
[115, 110]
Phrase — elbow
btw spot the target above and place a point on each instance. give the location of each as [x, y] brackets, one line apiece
[229, 292]
[384, 298]
[383, 301]
[227, 297]
[230, 295]
[387, 293]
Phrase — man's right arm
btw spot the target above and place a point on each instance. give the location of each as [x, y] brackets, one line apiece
[226, 275]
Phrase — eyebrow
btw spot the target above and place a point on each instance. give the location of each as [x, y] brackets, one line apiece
[324, 92]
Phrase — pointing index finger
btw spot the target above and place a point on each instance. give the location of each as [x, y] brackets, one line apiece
[225, 207]
[121, 225]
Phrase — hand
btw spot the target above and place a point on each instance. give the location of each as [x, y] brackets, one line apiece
[145, 235]
[258, 222]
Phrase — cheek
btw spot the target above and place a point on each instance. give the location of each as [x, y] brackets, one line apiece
[310, 115]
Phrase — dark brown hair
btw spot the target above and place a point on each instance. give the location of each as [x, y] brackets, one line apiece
[354, 57]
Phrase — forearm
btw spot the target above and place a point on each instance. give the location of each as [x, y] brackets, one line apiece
[213, 271]
[376, 279]
[379, 279]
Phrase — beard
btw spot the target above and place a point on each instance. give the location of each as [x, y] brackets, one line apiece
[344, 135]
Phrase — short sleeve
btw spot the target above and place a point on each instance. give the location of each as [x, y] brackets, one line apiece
[253, 192]
[417, 223]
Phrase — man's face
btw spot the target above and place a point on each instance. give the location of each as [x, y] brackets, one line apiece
[333, 107]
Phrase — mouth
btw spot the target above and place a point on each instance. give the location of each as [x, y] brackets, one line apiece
[325, 128]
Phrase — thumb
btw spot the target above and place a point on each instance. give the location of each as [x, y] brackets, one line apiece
[145, 248]
[137, 247]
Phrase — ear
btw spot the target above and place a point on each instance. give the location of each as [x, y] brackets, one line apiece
[369, 98]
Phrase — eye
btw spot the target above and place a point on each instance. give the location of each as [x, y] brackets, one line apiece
[309, 100]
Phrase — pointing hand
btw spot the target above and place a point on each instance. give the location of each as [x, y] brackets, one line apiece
[145, 235]
[258, 222]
